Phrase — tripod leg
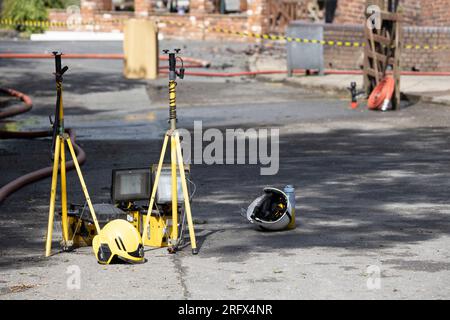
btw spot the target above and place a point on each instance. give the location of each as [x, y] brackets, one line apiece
[83, 184]
[186, 195]
[173, 154]
[155, 188]
[51, 212]
[65, 225]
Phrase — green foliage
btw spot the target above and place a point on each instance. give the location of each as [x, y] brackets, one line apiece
[25, 10]
[32, 10]
[56, 4]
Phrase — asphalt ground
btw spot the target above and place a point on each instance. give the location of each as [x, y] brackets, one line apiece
[372, 188]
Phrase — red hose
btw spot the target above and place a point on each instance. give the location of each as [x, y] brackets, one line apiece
[37, 175]
[235, 74]
[40, 174]
[196, 63]
[326, 72]
[199, 62]
[382, 94]
[15, 110]
[403, 73]
[66, 56]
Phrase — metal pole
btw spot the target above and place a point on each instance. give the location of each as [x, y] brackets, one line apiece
[187, 204]
[64, 217]
[173, 158]
[172, 91]
[145, 233]
[83, 183]
[51, 211]
[173, 151]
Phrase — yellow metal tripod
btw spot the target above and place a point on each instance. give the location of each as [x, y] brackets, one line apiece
[176, 163]
[59, 166]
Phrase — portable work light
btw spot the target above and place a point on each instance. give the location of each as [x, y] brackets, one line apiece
[178, 191]
[131, 185]
[164, 193]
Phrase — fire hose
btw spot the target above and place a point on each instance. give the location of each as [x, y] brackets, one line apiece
[40, 174]
[380, 94]
[15, 110]
[194, 63]
[198, 63]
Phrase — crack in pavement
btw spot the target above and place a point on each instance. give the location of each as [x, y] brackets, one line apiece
[181, 274]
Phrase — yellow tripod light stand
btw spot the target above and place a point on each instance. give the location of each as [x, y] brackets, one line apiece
[60, 138]
[177, 163]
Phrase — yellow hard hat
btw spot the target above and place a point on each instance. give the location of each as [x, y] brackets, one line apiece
[118, 239]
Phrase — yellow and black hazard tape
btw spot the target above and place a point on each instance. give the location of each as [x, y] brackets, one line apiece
[32, 23]
[332, 43]
[288, 39]
[349, 44]
[272, 36]
[425, 47]
[53, 24]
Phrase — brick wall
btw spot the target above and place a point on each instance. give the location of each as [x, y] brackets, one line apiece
[343, 57]
[143, 7]
[108, 21]
[435, 13]
[415, 12]
[96, 5]
[352, 11]
[348, 27]
[427, 60]
[257, 16]
[194, 27]
[423, 60]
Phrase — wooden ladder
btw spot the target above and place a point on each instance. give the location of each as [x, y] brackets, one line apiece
[280, 14]
[382, 52]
